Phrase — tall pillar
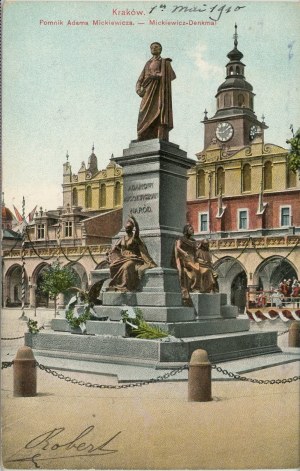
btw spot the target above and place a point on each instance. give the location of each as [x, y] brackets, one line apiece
[155, 191]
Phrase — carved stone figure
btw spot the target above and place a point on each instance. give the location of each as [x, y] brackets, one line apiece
[128, 259]
[154, 86]
[193, 261]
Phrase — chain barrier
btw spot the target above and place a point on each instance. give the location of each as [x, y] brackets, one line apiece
[235, 258]
[6, 364]
[253, 380]
[68, 379]
[12, 338]
[109, 386]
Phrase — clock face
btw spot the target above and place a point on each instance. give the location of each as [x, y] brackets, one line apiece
[252, 132]
[224, 131]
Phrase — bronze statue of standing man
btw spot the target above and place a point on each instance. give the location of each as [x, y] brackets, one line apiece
[154, 86]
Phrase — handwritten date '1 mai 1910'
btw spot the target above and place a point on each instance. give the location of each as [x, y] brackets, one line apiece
[215, 11]
[77, 447]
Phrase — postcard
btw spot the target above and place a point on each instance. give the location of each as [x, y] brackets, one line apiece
[157, 123]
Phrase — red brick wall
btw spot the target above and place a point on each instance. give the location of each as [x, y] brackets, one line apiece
[269, 220]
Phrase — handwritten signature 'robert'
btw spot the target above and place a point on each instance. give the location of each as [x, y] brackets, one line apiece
[75, 448]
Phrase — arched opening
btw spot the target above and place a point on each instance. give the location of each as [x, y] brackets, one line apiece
[102, 196]
[200, 184]
[41, 298]
[268, 175]
[81, 281]
[291, 178]
[227, 99]
[246, 178]
[220, 181]
[239, 291]
[273, 270]
[75, 197]
[88, 197]
[241, 99]
[117, 194]
[13, 283]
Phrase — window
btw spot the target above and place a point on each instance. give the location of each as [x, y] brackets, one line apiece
[203, 222]
[88, 197]
[291, 178]
[41, 231]
[241, 99]
[117, 194]
[285, 216]
[220, 182]
[268, 175]
[200, 185]
[243, 219]
[246, 178]
[75, 197]
[227, 99]
[102, 195]
[68, 229]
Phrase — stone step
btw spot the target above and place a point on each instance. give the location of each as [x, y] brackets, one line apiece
[131, 350]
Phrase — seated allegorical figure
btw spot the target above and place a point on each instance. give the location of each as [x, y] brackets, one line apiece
[194, 264]
[128, 259]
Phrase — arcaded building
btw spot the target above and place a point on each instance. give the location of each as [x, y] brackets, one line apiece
[242, 195]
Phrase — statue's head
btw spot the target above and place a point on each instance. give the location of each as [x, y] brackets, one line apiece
[129, 226]
[155, 48]
[188, 230]
[204, 245]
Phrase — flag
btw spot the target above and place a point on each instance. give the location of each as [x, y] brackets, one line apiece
[31, 214]
[18, 215]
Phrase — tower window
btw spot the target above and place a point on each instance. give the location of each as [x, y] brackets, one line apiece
[241, 99]
[237, 70]
[246, 178]
[227, 99]
[268, 175]
[200, 185]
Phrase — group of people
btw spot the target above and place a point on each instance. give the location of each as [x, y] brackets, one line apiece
[288, 292]
[129, 258]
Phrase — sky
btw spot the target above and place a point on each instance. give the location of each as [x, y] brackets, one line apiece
[69, 87]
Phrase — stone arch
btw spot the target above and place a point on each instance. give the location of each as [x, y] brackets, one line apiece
[232, 281]
[81, 279]
[41, 299]
[102, 195]
[273, 270]
[13, 286]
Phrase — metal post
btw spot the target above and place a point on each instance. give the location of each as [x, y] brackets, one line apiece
[23, 317]
[24, 367]
[199, 377]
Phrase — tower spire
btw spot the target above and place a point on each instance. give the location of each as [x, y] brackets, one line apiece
[235, 36]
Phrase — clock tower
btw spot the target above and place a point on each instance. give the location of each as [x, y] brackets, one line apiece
[234, 123]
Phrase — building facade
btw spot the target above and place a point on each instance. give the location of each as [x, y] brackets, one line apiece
[242, 195]
[78, 234]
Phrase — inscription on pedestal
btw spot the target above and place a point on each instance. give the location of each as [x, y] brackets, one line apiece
[141, 198]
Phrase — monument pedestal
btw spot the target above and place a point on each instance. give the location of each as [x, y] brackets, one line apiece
[154, 183]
